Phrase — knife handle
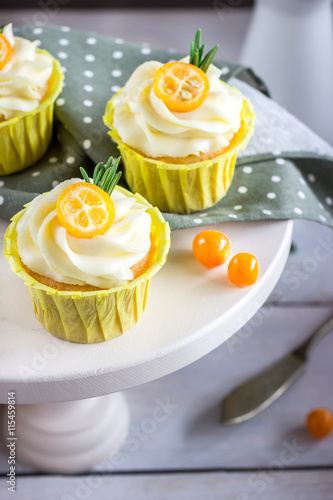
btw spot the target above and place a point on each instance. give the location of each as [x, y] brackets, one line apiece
[304, 350]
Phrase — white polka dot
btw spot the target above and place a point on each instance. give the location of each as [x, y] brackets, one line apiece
[62, 55]
[266, 212]
[65, 29]
[88, 88]
[301, 194]
[298, 211]
[37, 31]
[87, 119]
[280, 161]
[70, 160]
[225, 70]
[242, 189]
[64, 42]
[145, 50]
[91, 40]
[275, 178]
[88, 73]
[119, 41]
[35, 174]
[2, 183]
[302, 181]
[321, 217]
[1, 200]
[247, 170]
[117, 54]
[116, 73]
[55, 183]
[115, 88]
[53, 159]
[271, 196]
[197, 221]
[90, 58]
[233, 216]
[63, 69]
[329, 201]
[238, 207]
[60, 101]
[87, 103]
[87, 144]
[320, 205]
[64, 84]
[311, 178]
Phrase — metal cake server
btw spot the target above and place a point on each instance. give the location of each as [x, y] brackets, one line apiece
[252, 397]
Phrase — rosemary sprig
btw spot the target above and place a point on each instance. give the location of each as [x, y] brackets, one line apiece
[105, 176]
[197, 57]
[2, 28]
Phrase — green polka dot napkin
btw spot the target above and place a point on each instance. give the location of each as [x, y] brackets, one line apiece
[285, 172]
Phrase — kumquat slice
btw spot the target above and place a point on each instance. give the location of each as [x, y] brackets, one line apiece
[85, 210]
[181, 86]
[6, 51]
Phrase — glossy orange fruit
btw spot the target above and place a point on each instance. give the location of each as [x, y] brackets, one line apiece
[6, 51]
[211, 248]
[181, 86]
[243, 269]
[85, 210]
[319, 422]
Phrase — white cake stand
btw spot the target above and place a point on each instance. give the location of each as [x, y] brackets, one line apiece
[67, 415]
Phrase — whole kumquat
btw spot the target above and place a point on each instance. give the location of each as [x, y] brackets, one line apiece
[319, 422]
[243, 269]
[85, 210]
[211, 248]
[6, 51]
[181, 86]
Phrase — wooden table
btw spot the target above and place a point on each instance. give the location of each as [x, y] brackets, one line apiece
[190, 455]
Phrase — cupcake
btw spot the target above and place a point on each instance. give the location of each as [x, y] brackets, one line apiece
[87, 251]
[179, 128]
[30, 81]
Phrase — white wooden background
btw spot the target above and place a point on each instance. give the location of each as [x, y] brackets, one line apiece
[191, 455]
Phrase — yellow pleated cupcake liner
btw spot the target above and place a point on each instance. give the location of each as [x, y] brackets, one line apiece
[24, 139]
[89, 317]
[180, 188]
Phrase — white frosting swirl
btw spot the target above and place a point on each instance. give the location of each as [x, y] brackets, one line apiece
[23, 81]
[143, 121]
[104, 261]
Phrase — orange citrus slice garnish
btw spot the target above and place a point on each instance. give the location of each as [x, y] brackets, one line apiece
[181, 86]
[85, 210]
[6, 51]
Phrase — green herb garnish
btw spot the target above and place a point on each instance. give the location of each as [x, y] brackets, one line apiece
[104, 175]
[2, 28]
[197, 57]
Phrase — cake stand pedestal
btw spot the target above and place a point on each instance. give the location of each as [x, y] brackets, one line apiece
[70, 437]
[68, 414]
